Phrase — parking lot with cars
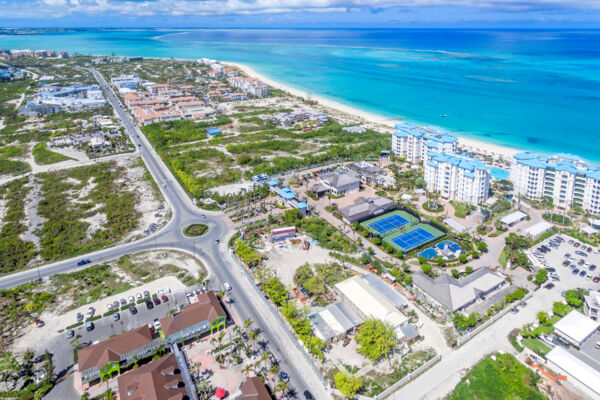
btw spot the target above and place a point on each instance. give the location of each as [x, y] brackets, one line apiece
[570, 263]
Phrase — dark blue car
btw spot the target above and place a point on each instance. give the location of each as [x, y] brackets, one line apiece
[83, 262]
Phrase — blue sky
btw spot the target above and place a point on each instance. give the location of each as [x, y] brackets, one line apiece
[301, 13]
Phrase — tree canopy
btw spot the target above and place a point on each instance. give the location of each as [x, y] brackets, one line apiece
[376, 339]
[347, 384]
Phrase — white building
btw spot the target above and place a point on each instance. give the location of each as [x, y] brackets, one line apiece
[457, 177]
[123, 79]
[576, 328]
[577, 370]
[414, 143]
[566, 179]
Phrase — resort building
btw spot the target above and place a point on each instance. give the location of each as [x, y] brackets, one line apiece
[575, 328]
[365, 208]
[340, 183]
[204, 315]
[372, 174]
[567, 180]
[160, 379]
[414, 143]
[458, 294]
[457, 177]
[254, 389]
[105, 358]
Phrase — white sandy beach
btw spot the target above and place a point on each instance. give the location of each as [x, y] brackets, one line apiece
[472, 144]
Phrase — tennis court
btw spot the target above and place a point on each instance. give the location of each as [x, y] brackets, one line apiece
[388, 223]
[412, 239]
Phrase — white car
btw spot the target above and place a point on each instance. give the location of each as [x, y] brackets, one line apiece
[90, 312]
[138, 296]
[156, 324]
[109, 306]
[227, 286]
[131, 299]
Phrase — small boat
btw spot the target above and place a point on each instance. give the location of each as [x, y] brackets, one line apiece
[443, 115]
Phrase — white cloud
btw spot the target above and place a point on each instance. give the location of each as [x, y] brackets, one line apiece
[245, 7]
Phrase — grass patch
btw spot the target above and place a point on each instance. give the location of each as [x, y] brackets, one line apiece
[43, 156]
[460, 210]
[537, 346]
[195, 230]
[557, 218]
[504, 378]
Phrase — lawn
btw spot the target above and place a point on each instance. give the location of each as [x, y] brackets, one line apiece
[460, 210]
[43, 156]
[504, 378]
[537, 346]
[195, 230]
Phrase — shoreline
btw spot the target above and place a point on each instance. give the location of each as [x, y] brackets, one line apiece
[467, 143]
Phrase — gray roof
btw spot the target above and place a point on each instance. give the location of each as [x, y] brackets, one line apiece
[364, 208]
[386, 290]
[409, 331]
[337, 179]
[456, 293]
[333, 320]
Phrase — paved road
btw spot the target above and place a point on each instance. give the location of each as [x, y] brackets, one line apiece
[249, 303]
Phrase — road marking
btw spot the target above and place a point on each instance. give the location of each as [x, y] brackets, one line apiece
[65, 377]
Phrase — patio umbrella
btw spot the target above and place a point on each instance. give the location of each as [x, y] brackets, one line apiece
[220, 393]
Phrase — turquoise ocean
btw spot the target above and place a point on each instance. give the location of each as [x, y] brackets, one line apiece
[530, 89]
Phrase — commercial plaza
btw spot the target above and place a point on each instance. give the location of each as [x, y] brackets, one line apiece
[404, 232]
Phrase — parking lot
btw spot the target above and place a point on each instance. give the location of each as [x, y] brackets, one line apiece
[571, 264]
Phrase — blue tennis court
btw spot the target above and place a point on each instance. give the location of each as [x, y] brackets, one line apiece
[389, 223]
[412, 239]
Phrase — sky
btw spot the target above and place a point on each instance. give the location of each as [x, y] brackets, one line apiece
[301, 13]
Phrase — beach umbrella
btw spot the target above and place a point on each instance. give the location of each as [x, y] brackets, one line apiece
[220, 393]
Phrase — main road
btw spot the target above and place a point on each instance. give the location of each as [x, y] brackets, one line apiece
[248, 301]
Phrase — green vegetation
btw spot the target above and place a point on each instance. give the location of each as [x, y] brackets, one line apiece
[376, 339]
[327, 236]
[300, 323]
[460, 210]
[574, 297]
[275, 290]
[316, 282]
[560, 309]
[504, 378]
[12, 167]
[247, 254]
[557, 219]
[537, 346]
[195, 230]
[144, 271]
[513, 252]
[168, 133]
[347, 384]
[64, 233]
[16, 253]
[43, 156]
[541, 276]
[465, 322]
[12, 91]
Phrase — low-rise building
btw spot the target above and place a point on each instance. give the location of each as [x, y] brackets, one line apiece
[372, 174]
[564, 362]
[340, 183]
[205, 315]
[537, 230]
[107, 357]
[365, 208]
[354, 129]
[513, 218]
[334, 321]
[458, 294]
[283, 233]
[254, 389]
[158, 380]
[591, 305]
[575, 328]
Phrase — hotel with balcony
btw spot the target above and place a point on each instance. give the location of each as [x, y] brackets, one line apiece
[568, 180]
[415, 143]
[457, 177]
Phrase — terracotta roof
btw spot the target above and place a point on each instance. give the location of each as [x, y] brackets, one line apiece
[111, 350]
[254, 389]
[207, 308]
[158, 380]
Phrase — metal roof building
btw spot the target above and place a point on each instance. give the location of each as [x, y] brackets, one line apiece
[575, 327]
[334, 320]
[576, 369]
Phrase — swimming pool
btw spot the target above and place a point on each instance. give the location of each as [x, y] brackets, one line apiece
[450, 245]
[499, 173]
[429, 253]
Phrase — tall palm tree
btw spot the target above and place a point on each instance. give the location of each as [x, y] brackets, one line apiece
[248, 323]
[246, 370]
[264, 358]
[252, 338]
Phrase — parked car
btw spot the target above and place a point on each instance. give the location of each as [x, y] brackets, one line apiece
[133, 310]
[109, 306]
[115, 305]
[575, 271]
[156, 300]
[582, 273]
[39, 358]
[596, 279]
[156, 324]
[131, 299]
[164, 298]
[592, 267]
[227, 286]
[116, 316]
[149, 305]
[146, 293]
[123, 302]
[284, 377]
[138, 296]
[89, 326]
[308, 395]
[70, 333]
[79, 317]
[89, 313]
[549, 286]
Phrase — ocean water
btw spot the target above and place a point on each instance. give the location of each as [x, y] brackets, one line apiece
[530, 89]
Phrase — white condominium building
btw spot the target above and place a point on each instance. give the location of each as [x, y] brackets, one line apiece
[457, 177]
[415, 143]
[566, 179]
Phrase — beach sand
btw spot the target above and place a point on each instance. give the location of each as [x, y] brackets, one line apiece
[387, 123]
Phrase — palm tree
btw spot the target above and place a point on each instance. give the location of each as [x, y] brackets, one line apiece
[247, 369]
[264, 358]
[252, 337]
[248, 323]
